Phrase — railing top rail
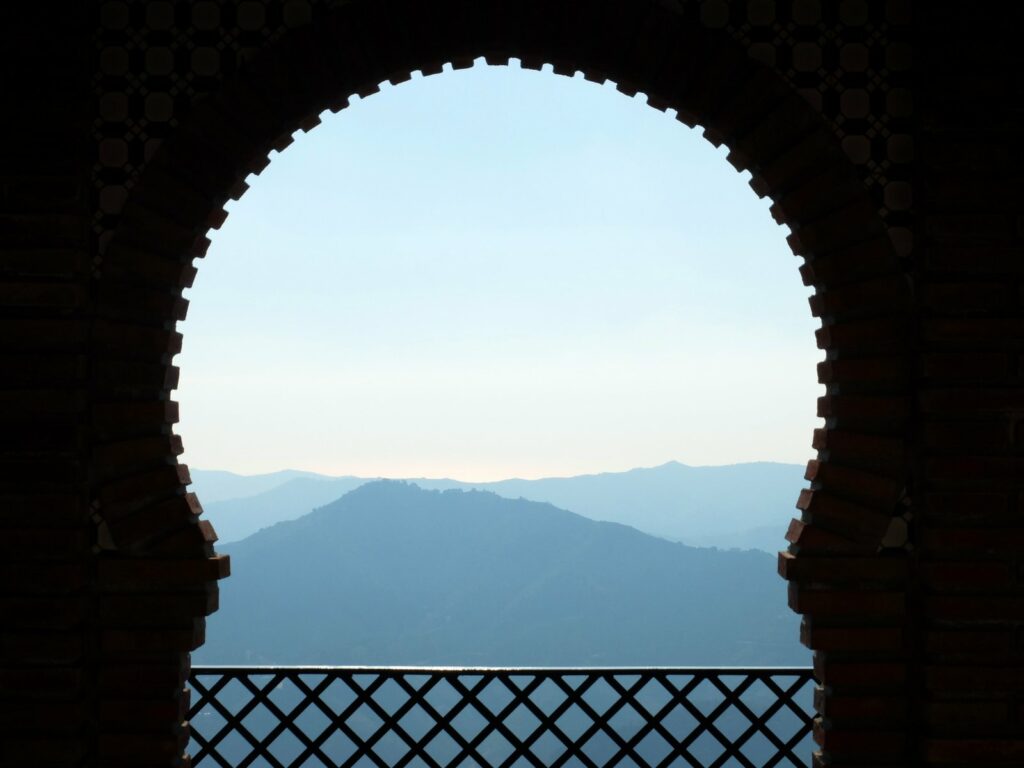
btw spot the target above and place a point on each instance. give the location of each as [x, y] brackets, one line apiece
[269, 668]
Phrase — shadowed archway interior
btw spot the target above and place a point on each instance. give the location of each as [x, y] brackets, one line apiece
[852, 529]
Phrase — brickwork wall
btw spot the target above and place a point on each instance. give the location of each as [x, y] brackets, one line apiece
[46, 609]
[887, 139]
[970, 451]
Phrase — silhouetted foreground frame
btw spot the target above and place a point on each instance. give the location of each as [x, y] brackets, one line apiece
[886, 133]
[848, 565]
[499, 717]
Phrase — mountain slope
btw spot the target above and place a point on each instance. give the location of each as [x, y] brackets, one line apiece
[234, 519]
[394, 574]
[740, 505]
[707, 506]
[217, 484]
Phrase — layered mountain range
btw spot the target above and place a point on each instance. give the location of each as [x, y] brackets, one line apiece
[745, 506]
[393, 573]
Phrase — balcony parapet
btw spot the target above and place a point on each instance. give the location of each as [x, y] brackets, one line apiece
[650, 717]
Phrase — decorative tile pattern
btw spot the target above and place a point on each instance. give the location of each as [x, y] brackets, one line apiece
[849, 59]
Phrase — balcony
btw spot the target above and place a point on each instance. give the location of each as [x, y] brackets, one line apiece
[427, 716]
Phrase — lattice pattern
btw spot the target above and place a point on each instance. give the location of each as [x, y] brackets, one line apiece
[396, 717]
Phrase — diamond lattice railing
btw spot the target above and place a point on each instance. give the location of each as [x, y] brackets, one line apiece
[396, 717]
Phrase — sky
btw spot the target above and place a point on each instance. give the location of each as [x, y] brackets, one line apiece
[494, 273]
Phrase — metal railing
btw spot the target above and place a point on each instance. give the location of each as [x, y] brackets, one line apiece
[545, 717]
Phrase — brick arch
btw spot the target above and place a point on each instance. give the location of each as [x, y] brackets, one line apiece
[151, 534]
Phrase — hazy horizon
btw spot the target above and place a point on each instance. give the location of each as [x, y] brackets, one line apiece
[452, 476]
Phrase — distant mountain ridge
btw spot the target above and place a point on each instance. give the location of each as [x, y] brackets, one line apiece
[740, 505]
[219, 484]
[392, 573]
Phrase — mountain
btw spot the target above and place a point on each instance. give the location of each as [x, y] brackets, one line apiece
[705, 506]
[217, 485]
[234, 519]
[739, 505]
[394, 574]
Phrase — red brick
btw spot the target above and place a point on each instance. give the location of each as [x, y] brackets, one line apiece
[130, 419]
[963, 401]
[147, 575]
[44, 543]
[984, 435]
[43, 371]
[870, 336]
[890, 709]
[186, 542]
[49, 613]
[184, 637]
[978, 332]
[852, 263]
[135, 747]
[39, 334]
[39, 262]
[845, 518]
[969, 576]
[155, 712]
[843, 446]
[868, 297]
[112, 459]
[966, 507]
[882, 372]
[964, 715]
[121, 679]
[974, 608]
[966, 678]
[851, 638]
[860, 674]
[40, 295]
[989, 643]
[867, 409]
[823, 602]
[831, 569]
[41, 647]
[26, 750]
[966, 297]
[968, 228]
[973, 541]
[814, 539]
[68, 717]
[134, 377]
[994, 471]
[44, 230]
[155, 610]
[163, 518]
[136, 341]
[125, 495]
[975, 751]
[973, 259]
[42, 510]
[831, 232]
[878, 491]
[44, 681]
[123, 301]
[29, 404]
[967, 366]
[879, 745]
[41, 578]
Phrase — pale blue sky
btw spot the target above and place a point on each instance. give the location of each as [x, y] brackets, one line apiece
[497, 272]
